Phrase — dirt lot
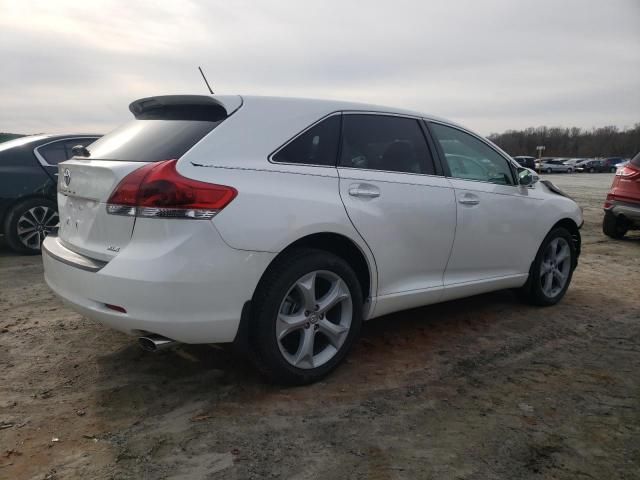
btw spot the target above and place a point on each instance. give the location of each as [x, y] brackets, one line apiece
[481, 388]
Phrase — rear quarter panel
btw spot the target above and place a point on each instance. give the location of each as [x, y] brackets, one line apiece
[279, 205]
[276, 206]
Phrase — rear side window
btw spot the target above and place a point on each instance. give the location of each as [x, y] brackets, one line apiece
[316, 146]
[151, 140]
[54, 153]
[383, 142]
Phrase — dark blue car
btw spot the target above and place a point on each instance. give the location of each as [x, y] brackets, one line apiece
[28, 179]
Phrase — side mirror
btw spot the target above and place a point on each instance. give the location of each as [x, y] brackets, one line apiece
[527, 177]
[80, 151]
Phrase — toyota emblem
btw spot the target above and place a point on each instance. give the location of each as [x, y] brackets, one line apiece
[66, 177]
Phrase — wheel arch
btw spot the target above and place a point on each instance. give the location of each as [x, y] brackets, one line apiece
[343, 247]
[332, 242]
[570, 225]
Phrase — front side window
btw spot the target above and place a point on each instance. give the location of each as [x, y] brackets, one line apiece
[471, 159]
[316, 146]
[383, 142]
[54, 153]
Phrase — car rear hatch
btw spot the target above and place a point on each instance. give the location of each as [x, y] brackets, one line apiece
[164, 128]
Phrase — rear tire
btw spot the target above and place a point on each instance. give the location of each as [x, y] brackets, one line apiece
[592, 170]
[555, 260]
[28, 223]
[296, 335]
[612, 170]
[613, 226]
[549, 170]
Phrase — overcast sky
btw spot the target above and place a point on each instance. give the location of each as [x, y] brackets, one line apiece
[74, 66]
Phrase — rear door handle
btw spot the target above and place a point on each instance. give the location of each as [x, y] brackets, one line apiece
[469, 199]
[364, 190]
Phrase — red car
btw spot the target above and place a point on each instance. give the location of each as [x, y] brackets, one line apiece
[622, 207]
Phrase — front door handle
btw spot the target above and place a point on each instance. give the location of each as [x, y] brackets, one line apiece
[469, 199]
[364, 190]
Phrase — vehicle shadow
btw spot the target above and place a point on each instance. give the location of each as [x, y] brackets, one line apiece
[214, 378]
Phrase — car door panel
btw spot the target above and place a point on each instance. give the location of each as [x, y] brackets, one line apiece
[397, 201]
[497, 226]
[495, 234]
[409, 225]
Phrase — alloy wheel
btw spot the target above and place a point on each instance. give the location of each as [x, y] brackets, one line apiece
[314, 319]
[35, 224]
[555, 267]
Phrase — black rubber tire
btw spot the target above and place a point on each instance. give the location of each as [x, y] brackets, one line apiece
[266, 302]
[612, 170]
[613, 226]
[549, 170]
[11, 223]
[532, 292]
[592, 170]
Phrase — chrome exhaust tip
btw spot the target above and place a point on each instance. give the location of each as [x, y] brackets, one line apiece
[153, 342]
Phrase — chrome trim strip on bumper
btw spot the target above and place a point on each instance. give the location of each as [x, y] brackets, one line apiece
[52, 247]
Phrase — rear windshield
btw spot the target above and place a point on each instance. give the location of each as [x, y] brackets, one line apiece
[635, 161]
[151, 140]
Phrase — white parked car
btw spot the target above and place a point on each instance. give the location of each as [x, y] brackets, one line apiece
[281, 224]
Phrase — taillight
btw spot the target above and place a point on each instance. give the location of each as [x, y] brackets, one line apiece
[608, 202]
[158, 190]
[628, 172]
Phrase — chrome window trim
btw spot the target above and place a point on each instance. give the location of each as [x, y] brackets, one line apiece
[343, 112]
[508, 159]
[392, 172]
[41, 158]
[382, 113]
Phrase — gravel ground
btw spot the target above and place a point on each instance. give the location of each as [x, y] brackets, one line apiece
[480, 388]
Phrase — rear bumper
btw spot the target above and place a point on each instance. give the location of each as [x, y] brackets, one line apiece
[631, 211]
[175, 278]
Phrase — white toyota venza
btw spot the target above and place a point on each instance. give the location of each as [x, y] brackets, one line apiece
[281, 224]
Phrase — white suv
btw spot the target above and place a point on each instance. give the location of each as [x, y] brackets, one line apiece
[282, 223]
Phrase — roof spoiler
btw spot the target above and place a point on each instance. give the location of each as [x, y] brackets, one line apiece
[179, 107]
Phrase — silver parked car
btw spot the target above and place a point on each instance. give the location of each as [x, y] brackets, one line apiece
[555, 165]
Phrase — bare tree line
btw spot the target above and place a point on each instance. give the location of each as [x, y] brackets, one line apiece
[571, 142]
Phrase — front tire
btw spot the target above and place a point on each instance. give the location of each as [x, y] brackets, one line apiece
[552, 269]
[307, 312]
[613, 226]
[549, 170]
[28, 223]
